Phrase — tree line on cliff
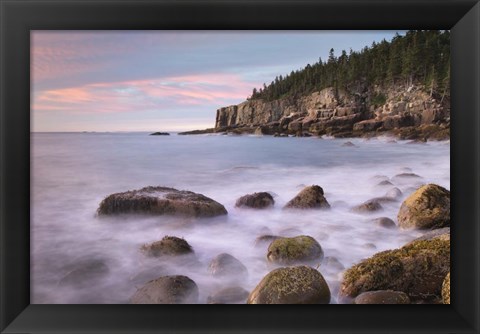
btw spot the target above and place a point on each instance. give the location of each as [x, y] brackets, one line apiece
[420, 56]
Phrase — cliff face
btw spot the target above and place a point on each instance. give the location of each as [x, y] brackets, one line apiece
[341, 113]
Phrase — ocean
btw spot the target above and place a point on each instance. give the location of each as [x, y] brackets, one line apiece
[72, 172]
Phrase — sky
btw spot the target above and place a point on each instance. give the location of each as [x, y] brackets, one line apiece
[164, 80]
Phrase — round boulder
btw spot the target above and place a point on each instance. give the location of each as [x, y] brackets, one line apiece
[227, 265]
[168, 246]
[446, 289]
[161, 201]
[418, 269]
[167, 290]
[261, 200]
[291, 285]
[309, 198]
[300, 249]
[264, 239]
[382, 297]
[426, 208]
[384, 222]
[367, 207]
[232, 295]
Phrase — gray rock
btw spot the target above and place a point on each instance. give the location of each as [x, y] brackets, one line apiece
[167, 290]
[168, 246]
[260, 200]
[384, 222]
[309, 198]
[224, 265]
[367, 207]
[85, 273]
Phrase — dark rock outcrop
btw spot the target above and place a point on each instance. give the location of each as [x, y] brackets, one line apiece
[302, 249]
[426, 208]
[167, 290]
[291, 285]
[260, 200]
[309, 198]
[161, 201]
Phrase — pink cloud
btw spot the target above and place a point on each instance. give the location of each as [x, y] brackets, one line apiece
[144, 95]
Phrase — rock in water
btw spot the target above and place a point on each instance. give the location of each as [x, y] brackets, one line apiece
[227, 265]
[260, 200]
[446, 289]
[417, 269]
[439, 233]
[368, 206]
[230, 295]
[167, 246]
[309, 198]
[85, 273]
[291, 285]
[160, 134]
[382, 297]
[426, 208]
[384, 222]
[161, 201]
[301, 249]
[167, 290]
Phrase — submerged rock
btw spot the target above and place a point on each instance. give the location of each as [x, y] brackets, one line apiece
[382, 297]
[426, 208]
[446, 289]
[384, 222]
[167, 290]
[260, 200]
[85, 273]
[227, 265]
[160, 134]
[161, 201]
[439, 233]
[291, 285]
[368, 206]
[385, 183]
[168, 246]
[417, 269]
[309, 198]
[301, 249]
[264, 239]
[331, 262]
[231, 295]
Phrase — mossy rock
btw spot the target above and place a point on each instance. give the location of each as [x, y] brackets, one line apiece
[418, 269]
[167, 290]
[309, 198]
[160, 201]
[168, 246]
[231, 295]
[300, 249]
[426, 208]
[446, 289]
[224, 265]
[291, 285]
[260, 200]
[382, 297]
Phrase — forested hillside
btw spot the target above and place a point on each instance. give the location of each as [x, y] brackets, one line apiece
[419, 56]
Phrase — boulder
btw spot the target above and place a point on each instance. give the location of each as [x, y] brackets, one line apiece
[446, 289]
[405, 176]
[227, 265]
[439, 233]
[384, 222]
[331, 262]
[168, 246]
[417, 269]
[300, 249]
[394, 193]
[426, 208]
[382, 297]
[266, 238]
[260, 200]
[231, 295]
[385, 183]
[349, 144]
[309, 198]
[161, 201]
[167, 290]
[368, 206]
[160, 134]
[291, 285]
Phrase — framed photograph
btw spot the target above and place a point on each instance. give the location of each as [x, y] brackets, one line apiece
[219, 153]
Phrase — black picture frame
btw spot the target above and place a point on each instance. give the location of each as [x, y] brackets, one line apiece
[18, 17]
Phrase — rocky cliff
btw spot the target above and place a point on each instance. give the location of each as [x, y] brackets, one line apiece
[410, 112]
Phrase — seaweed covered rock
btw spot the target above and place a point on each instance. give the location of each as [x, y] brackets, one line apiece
[446, 289]
[168, 246]
[291, 285]
[260, 200]
[231, 295]
[161, 201]
[309, 198]
[167, 290]
[382, 297]
[426, 208]
[300, 249]
[227, 265]
[417, 269]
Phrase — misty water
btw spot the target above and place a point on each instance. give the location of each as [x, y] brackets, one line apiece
[73, 172]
